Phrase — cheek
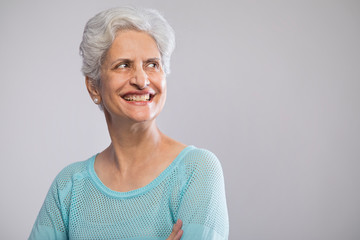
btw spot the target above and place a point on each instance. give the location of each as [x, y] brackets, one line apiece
[162, 85]
[158, 79]
[110, 86]
[163, 93]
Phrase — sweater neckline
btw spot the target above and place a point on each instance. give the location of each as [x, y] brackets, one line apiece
[133, 193]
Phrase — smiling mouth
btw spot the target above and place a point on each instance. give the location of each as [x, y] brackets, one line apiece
[138, 98]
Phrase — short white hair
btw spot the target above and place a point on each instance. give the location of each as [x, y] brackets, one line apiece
[100, 31]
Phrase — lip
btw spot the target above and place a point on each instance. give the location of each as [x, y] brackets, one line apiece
[142, 92]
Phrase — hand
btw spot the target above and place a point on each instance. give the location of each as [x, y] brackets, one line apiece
[177, 232]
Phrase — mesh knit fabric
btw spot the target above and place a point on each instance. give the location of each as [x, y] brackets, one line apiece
[79, 206]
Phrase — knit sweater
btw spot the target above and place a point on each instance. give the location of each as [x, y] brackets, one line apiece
[79, 206]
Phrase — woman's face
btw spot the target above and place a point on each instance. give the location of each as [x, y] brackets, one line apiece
[133, 84]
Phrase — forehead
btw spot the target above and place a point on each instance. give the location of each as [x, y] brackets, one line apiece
[133, 44]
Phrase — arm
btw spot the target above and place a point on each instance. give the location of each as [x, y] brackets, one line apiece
[51, 223]
[203, 208]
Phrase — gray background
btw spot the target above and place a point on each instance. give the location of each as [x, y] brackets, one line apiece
[271, 87]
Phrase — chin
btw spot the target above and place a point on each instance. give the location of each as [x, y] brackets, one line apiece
[143, 117]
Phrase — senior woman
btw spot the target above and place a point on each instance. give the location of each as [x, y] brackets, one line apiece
[145, 185]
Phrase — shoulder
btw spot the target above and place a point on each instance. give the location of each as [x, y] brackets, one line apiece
[69, 173]
[202, 164]
[199, 158]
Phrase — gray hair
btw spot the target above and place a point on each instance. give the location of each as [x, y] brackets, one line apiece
[100, 31]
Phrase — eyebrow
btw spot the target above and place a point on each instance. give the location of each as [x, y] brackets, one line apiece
[129, 60]
[152, 59]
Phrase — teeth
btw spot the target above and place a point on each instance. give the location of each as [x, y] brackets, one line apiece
[137, 98]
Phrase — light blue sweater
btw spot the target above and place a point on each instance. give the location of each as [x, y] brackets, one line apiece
[79, 206]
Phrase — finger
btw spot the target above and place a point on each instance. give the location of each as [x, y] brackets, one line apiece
[176, 228]
[178, 235]
[177, 225]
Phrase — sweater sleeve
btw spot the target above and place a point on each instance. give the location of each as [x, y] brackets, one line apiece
[52, 221]
[203, 208]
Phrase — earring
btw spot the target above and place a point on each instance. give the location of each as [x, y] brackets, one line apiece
[96, 100]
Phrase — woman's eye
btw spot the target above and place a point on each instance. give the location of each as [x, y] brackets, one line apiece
[153, 65]
[122, 65]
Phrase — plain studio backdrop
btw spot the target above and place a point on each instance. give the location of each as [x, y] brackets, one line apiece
[271, 87]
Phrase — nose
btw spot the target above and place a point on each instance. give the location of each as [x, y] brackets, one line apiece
[140, 78]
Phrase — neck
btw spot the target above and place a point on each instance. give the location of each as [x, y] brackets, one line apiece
[133, 144]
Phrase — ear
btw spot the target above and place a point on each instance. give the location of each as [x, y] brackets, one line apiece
[93, 90]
